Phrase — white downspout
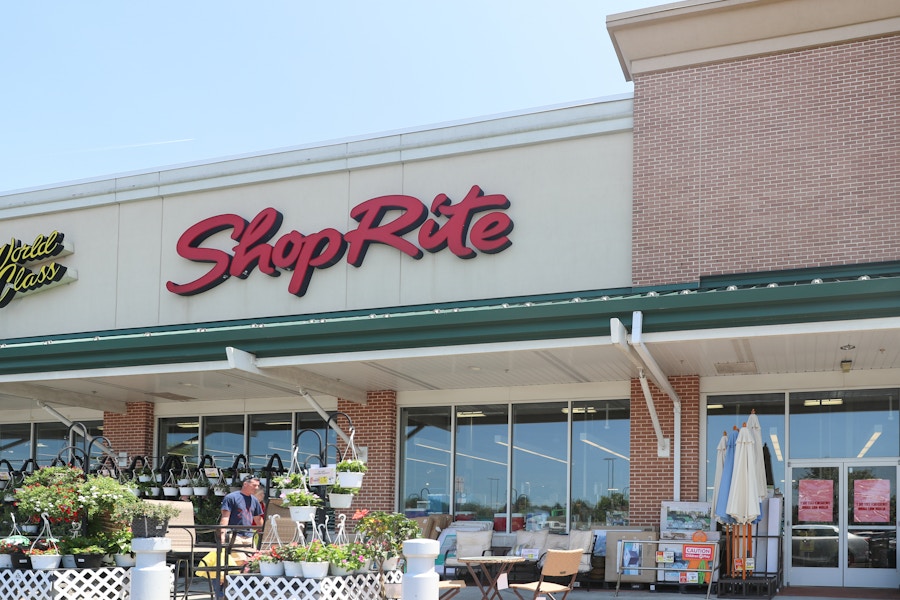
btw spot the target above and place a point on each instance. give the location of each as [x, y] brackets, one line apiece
[659, 377]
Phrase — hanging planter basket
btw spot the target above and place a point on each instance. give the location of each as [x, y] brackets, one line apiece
[45, 562]
[303, 513]
[145, 527]
[350, 479]
[340, 500]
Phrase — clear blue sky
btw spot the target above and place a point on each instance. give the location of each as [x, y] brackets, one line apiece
[100, 87]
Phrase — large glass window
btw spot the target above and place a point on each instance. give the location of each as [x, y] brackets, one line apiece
[52, 438]
[311, 440]
[269, 434]
[425, 456]
[482, 448]
[601, 463]
[854, 423]
[540, 467]
[725, 412]
[15, 444]
[223, 438]
[180, 436]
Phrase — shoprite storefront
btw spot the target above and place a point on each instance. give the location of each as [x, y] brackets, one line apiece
[545, 319]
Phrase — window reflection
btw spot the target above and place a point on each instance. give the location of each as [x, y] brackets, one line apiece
[425, 456]
[53, 438]
[601, 463]
[480, 488]
[857, 423]
[310, 439]
[15, 443]
[269, 434]
[180, 436]
[540, 466]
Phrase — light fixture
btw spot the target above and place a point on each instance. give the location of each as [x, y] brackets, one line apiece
[847, 347]
[469, 413]
[714, 406]
[846, 365]
[824, 402]
[875, 435]
[580, 410]
[776, 446]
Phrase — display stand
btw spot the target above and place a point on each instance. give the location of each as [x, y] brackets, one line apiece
[652, 545]
[758, 584]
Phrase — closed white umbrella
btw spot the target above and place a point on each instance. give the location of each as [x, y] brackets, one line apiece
[743, 497]
[756, 431]
[720, 463]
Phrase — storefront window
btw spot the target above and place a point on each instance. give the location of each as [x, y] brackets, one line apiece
[601, 463]
[180, 436]
[223, 438]
[425, 456]
[15, 440]
[269, 434]
[480, 486]
[310, 439]
[725, 412]
[834, 424]
[540, 467]
[51, 439]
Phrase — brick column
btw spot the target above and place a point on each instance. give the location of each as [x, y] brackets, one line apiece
[133, 431]
[376, 428]
[652, 478]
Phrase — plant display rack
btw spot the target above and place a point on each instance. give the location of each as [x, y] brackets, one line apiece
[351, 587]
[113, 583]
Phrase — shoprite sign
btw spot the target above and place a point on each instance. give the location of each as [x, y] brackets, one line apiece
[24, 268]
[475, 224]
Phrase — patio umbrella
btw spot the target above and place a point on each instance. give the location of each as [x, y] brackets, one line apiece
[722, 491]
[743, 497]
[756, 433]
[720, 463]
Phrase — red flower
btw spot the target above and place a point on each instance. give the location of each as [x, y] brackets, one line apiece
[360, 514]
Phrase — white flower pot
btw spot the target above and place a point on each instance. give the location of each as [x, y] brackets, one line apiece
[124, 560]
[303, 513]
[340, 500]
[350, 479]
[184, 481]
[170, 491]
[186, 490]
[293, 569]
[315, 570]
[338, 571]
[219, 492]
[390, 564]
[5, 561]
[200, 491]
[271, 569]
[44, 562]
[153, 492]
[68, 561]
[144, 478]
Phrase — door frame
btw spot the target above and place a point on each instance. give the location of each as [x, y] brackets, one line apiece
[842, 575]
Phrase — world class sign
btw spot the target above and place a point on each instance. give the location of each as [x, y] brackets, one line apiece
[18, 276]
[475, 224]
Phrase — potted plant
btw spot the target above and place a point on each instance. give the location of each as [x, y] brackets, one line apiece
[269, 562]
[222, 487]
[350, 472]
[200, 483]
[346, 559]
[44, 556]
[289, 481]
[341, 497]
[8, 548]
[384, 534]
[88, 557]
[291, 555]
[315, 560]
[302, 504]
[149, 520]
[119, 545]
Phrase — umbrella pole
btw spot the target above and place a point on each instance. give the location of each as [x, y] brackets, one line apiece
[729, 550]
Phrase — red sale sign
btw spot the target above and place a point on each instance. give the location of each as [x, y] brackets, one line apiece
[816, 500]
[871, 501]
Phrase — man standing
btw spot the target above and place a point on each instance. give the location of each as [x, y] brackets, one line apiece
[242, 508]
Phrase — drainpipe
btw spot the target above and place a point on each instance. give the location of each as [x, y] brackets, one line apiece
[660, 379]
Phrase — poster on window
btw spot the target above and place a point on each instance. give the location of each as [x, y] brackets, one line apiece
[816, 500]
[871, 501]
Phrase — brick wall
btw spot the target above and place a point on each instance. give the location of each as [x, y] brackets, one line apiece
[131, 432]
[376, 428]
[768, 163]
[651, 480]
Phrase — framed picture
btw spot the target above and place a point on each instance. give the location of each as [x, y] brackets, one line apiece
[679, 520]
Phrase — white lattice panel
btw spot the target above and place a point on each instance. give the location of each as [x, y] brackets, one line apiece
[352, 587]
[69, 584]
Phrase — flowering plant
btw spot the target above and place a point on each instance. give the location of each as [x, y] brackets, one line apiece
[337, 489]
[293, 552]
[316, 551]
[384, 533]
[41, 551]
[100, 493]
[289, 481]
[8, 547]
[349, 557]
[302, 498]
[272, 555]
[91, 549]
[52, 491]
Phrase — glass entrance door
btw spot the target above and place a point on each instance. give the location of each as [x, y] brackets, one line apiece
[843, 524]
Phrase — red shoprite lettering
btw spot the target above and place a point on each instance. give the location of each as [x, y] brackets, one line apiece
[15, 277]
[472, 224]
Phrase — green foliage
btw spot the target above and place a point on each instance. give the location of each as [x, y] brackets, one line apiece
[352, 466]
